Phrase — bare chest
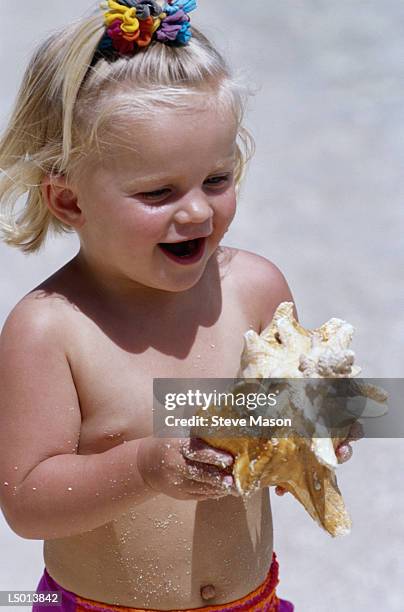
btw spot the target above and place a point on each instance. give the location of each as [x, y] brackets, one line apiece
[114, 379]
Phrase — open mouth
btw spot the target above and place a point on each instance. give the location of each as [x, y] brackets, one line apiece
[187, 251]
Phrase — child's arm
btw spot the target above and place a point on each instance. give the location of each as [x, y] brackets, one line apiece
[47, 490]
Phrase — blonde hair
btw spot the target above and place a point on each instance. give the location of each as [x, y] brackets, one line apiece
[64, 109]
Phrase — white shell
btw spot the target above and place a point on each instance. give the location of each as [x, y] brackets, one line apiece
[303, 461]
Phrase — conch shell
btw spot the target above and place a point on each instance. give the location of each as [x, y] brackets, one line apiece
[302, 464]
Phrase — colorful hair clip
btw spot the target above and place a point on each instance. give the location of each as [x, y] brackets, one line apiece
[135, 23]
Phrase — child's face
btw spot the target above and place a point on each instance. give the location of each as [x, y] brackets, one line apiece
[171, 180]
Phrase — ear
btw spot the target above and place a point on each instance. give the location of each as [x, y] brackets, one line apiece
[61, 199]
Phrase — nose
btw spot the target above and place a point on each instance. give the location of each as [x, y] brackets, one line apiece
[194, 209]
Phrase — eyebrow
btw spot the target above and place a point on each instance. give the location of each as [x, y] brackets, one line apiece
[163, 178]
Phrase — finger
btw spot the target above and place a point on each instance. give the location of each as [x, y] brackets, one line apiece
[207, 474]
[344, 452]
[356, 432]
[199, 494]
[280, 490]
[197, 450]
[208, 490]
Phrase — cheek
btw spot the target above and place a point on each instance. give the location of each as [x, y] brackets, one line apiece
[133, 225]
[146, 223]
[226, 209]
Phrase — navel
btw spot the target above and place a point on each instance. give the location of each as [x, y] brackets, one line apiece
[208, 592]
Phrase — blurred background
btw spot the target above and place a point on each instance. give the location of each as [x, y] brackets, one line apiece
[323, 200]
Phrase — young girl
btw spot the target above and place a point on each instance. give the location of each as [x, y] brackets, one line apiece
[126, 131]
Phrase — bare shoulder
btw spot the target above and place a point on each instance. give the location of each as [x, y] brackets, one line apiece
[36, 316]
[261, 283]
[47, 312]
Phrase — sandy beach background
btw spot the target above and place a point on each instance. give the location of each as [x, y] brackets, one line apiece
[324, 201]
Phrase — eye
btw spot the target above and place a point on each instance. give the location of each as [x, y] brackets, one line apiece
[159, 194]
[218, 181]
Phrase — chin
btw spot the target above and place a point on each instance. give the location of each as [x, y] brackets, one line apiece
[181, 285]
